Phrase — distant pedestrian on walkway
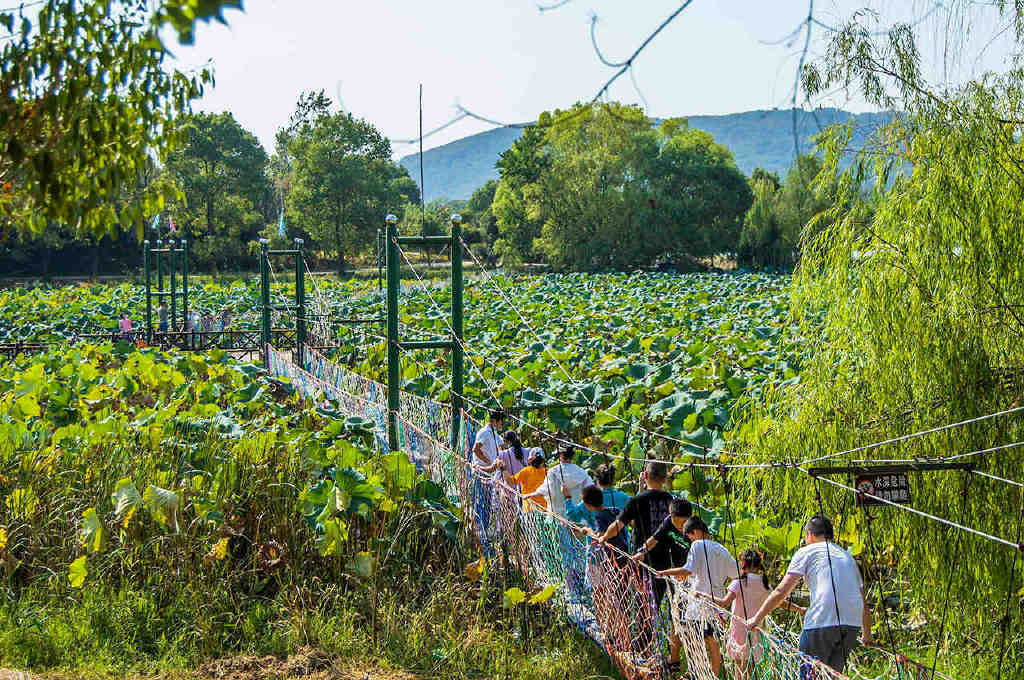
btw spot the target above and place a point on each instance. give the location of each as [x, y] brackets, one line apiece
[124, 325]
[161, 315]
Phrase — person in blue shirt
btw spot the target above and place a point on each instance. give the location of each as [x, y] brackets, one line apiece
[613, 499]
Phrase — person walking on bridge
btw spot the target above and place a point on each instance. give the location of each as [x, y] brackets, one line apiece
[837, 611]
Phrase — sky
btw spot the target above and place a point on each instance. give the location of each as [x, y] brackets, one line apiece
[506, 60]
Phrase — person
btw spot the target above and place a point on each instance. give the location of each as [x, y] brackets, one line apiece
[646, 511]
[511, 459]
[193, 326]
[837, 609]
[125, 326]
[530, 478]
[669, 535]
[161, 313]
[613, 499]
[710, 565]
[564, 481]
[745, 596]
[604, 517]
[225, 320]
[485, 446]
[206, 324]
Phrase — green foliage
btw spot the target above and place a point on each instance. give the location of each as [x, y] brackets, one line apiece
[597, 187]
[341, 179]
[909, 301]
[221, 170]
[88, 99]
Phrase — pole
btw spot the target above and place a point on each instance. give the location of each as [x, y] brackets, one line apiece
[264, 302]
[159, 268]
[380, 261]
[149, 292]
[174, 284]
[457, 318]
[392, 329]
[184, 278]
[300, 304]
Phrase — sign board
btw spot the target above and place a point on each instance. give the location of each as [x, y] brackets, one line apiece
[893, 487]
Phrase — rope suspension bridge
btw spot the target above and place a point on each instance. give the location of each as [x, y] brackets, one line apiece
[610, 597]
[598, 588]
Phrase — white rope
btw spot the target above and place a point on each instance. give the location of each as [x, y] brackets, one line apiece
[922, 433]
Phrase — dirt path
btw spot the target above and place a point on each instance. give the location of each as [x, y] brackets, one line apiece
[306, 664]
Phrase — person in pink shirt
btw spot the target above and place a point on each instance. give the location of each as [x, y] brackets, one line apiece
[125, 326]
[744, 595]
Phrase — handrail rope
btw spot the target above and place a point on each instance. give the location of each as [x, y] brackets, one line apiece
[593, 403]
[615, 549]
[565, 522]
[977, 532]
[946, 459]
[914, 435]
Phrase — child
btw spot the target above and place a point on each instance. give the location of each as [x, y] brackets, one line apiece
[530, 478]
[745, 595]
[593, 500]
[709, 564]
[614, 499]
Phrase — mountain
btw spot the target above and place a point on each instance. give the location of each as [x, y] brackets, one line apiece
[756, 138]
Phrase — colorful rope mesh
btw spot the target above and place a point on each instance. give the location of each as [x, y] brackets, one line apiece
[600, 590]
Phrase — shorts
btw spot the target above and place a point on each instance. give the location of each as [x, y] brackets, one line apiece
[830, 645]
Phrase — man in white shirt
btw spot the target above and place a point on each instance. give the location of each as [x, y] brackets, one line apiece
[488, 439]
[710, 565]
[837, 610]
[564, 481]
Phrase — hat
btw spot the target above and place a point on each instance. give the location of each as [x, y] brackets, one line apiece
[535, 453]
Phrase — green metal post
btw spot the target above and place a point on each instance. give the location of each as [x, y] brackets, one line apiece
[184, 278]
[159, 268]
[457, 318]
[392, 329]
[380, 261]
[149, 292]
[300, 304]
[174, 285]
[264, 302]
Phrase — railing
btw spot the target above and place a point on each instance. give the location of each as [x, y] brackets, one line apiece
[244, 343]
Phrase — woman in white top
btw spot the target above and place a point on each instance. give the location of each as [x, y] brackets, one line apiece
[564, 481]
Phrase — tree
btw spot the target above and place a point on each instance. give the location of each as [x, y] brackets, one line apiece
[222, 170]
[910, 298]
[520, 167]
[782, 217]
[483, 231]
[607, 190]
[342, 180]
[88, 98]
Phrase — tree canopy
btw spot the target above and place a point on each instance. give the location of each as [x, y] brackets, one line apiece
[598, 187]
[88, 99]
[221, 169]
[340, 177]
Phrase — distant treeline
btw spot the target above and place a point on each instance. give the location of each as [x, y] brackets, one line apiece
[594, 187]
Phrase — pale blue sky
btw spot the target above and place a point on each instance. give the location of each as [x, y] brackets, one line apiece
[506, 60]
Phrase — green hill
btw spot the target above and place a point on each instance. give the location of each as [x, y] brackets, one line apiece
[756, 138]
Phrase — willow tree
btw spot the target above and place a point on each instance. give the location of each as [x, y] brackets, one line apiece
[913, 305]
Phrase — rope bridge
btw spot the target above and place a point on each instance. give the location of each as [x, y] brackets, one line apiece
[608, 596]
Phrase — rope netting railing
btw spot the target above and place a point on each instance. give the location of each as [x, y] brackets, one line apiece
[598, 588]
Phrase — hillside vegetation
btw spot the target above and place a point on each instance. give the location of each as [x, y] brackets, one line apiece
[757, 139]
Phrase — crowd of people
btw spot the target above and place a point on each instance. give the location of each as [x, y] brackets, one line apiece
[193, 323]
[661, 531]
